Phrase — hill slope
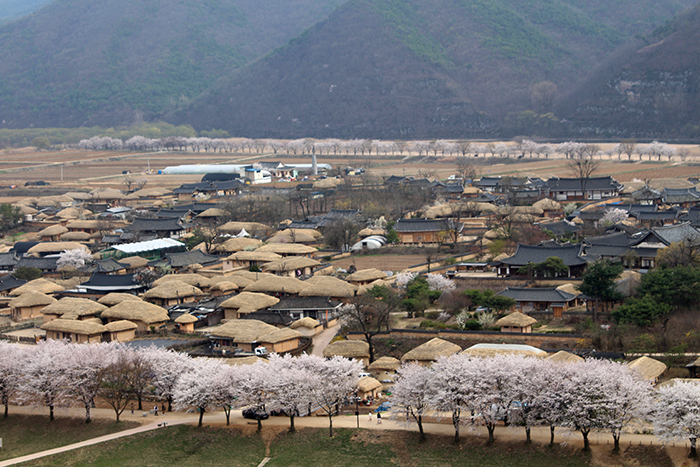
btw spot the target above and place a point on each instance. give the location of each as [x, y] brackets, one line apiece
[78, 62]
[653, 90]
[419, 68]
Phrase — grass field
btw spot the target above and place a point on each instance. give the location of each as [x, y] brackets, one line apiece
[26, 434]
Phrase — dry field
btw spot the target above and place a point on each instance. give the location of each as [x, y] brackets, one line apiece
[89, 169]
[381, 262]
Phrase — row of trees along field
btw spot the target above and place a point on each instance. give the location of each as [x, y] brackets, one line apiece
[522, 391]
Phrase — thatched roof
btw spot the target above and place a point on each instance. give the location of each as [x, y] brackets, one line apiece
[282, 237]
[136, 311]
[238, 244]
[489, 350]
[248, 302]
[55, 247]
[75, 237]
[248, 226]
[564, 357]
[577, 220]
[288, 248]
[279, 335]
[52, 231]
[431, 350]
[224, 286]
[74, 326]
[516, 319]
[83, 224]
[276, 284]
[509, 210]
[368, 384]
[73, 305]
[569, 288]
[121, 325]
[73, 213]
[186, 319]
[243, 330]
[115, 298]
[254, 256]
[327, 286]
[327, 183]
[249, 275]
[107, 193]
[192, 279]
[152, 191]
[305, 323]
[366, 232]
[547, 204]
[212, 212]
[363, 275]
[24, 209]
[649, 368]
[78, 195]
[385, 363]
[172, 289]
[134, 262]
[363, 289]
[348, 349]
[290, 264]
[30, 299]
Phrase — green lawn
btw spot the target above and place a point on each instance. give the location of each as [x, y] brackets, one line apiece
[26, 434]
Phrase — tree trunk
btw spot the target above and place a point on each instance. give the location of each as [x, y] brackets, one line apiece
[693, 453]
[117, 413]
[455, 423]
[491, 427]
[528, 439]
[7, 409]
[330, 424]
[170, 403]
[420, 428]
[138, 397]
[51, 417]
[227, 412]
[201, 416]
[551, 435]
[259, 424]
[87, 413]
[292, 429]
[616, 443]
[586, 443]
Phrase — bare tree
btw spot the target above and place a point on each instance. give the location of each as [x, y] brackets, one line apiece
[427, 173]
[466, 169]
[583, 168]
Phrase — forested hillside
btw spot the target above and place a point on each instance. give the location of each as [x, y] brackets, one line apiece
[365, 68]
[418, 68]
[13, 9]
[78, 62]
[653, 89]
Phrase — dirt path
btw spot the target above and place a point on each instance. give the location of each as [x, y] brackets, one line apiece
[322, 340]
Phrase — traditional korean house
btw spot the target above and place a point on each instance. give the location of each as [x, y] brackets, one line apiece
[119, 331]
[516, 322]
[490, 350]
[365, 276]
[279, 286]
[351, 349]
[172, 292]
[368, 388]
[75, 308]
[29, 305]
[384, 370]
[308, 327]
[571, 255]
[73, 330]
[248, 259]
[429, 352]
[248, 334]
[328, 286]
[546, 299]
[322, 309]
[146, 316]
[246, 302]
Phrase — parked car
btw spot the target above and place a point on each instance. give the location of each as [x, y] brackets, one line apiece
[256, 413]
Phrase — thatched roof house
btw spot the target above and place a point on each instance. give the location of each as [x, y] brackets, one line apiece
[292, 266]
[516, 322]
[429, 352]
[134, 262]
[366, 276]
[247, 259]
[81, 308]
[489, 350]
[384, 370]
[115, 298]
[80, 332]
[46, 248]
[276, 285]
[280, 340]
[143, 314]
[247, 334]
[192, 279]
[368, 388]
[246, 302]
[173, 292]
[29, 305]
[233, 245]
[307, 326]
[649, 368]
[186, 322]
[250, 227]
[287, 237]
[76, 237]
[564, 357]
[51, 233]
[327, 286]
[288, 249]
[223, 288]
[122, 331]
[357, 349]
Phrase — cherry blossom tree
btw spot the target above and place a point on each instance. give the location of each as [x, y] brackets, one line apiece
[115, 381]
[332, 381]
[226, 389]
[527, 388]
[403, 278]
[76, 258]
[410, 393]
[440, 282]
[167, 367]
[140, 375]
[491, 379]
[194, 388]
[43, 382]
[84, 368]
[289, 383]
[255, 387]
[677, 413]
[12, 361]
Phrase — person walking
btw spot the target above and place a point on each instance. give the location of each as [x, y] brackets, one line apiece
[370, 417]
[132, 408]
[379, 418]
[155, 410]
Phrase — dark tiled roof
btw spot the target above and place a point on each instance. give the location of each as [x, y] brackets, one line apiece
[560, 227]
[220, 177]
[524, 254]
[607, 251]
[680, 195]
[637, 207]
[9, 282]
[8, 260]
[419, 225]
[111, 239]
[394, 180]
[154, 225]
[111, 283]
[45, 264]
[187, 258]
[108, 265]
[618, 239]
[305, 303]
[574, 184]
[654, 216]
[646, 193]
[677, 233]
[22, 247]
[550, 294]
[274, 318]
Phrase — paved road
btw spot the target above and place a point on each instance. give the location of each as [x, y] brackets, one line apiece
[322, 340]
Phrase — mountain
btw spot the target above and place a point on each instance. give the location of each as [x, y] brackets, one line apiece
[82, 62]
[13, 9]
[297, 68]
[649, 91]
[423, 69]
